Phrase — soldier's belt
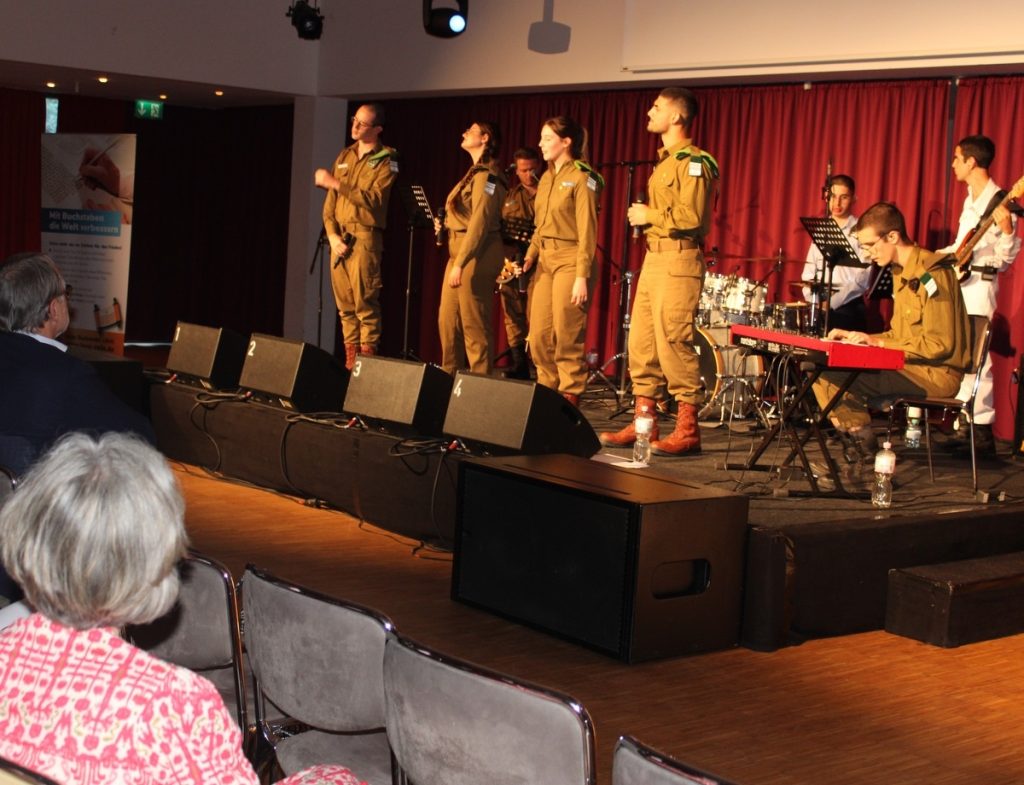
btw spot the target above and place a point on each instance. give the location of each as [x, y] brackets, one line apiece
[682, 244]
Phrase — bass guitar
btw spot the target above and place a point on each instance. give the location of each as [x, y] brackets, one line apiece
[962, 256]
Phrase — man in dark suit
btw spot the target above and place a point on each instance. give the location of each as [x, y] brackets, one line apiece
[44, 392]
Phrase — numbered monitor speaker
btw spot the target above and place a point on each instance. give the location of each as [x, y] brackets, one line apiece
[503, 416]
[207, 357]
[400, 396]
[293, 375]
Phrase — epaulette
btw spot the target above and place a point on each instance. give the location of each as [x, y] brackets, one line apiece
[389, 154]
[705, 158]
[585, 167]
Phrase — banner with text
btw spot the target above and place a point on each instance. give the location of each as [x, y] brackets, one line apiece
[88, 194]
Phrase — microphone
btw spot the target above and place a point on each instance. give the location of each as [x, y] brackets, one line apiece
[826, 190]
[350, 242]
[640, 199]
[439, 232]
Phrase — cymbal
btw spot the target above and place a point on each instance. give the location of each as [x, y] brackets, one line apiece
[744, 258]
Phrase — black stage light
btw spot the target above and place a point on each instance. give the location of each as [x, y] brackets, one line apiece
[307, 20]
[445, 22]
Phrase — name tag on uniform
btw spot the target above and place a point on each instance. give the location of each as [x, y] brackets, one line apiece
[343, 166]
[566, 183]
[695, 169]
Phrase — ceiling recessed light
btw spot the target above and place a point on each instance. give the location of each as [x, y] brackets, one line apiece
[218, 92]
[163, 96]
[102, 79]
[51, 85]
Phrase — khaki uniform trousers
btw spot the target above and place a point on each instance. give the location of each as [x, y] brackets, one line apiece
[356, 283]
[558, 329]
[852, 410]
[514, 305]
[464, 318]
[661, 353]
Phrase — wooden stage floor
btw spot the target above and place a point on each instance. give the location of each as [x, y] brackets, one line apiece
[859, 708]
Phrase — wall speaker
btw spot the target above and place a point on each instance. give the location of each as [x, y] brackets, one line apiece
[633, 564]
[400, 396]
[207, 357]
[292, 375]
[507, 416]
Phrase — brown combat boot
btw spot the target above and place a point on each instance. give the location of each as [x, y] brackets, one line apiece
[627, 435]
[350, 355]
[685, 439]
[572, 398]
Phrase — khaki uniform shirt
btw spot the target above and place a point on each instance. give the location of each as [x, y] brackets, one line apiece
[361, 199]
[518, 203]
[930, 325]
[679, 194]
[566, 209]
[474, 207]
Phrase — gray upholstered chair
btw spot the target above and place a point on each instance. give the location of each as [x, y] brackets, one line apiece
[636, 764]
[318, 660]
[13, 774]
[202, 633]
[454, 723]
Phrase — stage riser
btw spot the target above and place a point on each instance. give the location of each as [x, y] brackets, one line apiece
[832, 578]
[349, 469]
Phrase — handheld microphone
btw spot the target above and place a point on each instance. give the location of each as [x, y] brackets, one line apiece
[640, 199]
[350, 242]
[439, 232]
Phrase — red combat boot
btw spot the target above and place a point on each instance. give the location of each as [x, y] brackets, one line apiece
[350, 355]
[627, 435]
[685, 439]
[368, 349]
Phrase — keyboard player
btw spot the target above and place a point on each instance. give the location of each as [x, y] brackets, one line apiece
[929, 325]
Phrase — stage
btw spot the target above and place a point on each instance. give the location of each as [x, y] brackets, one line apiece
[812, 565]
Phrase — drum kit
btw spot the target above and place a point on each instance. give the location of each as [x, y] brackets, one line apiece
[733, 377]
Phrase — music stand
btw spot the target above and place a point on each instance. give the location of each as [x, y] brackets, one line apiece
[836, 251]
[417, 208]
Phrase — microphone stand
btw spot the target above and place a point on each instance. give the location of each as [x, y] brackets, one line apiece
[318, 256]
[625, 292]
[417, 208]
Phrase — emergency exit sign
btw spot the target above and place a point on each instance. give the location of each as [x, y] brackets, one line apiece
[149, 110]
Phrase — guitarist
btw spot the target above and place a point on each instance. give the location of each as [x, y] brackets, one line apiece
[993, 252]
[519, 206]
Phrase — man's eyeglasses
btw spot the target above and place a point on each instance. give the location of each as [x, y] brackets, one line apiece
[360, 124]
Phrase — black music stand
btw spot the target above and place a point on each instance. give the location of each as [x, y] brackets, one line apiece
[417, 207]
[836, 251]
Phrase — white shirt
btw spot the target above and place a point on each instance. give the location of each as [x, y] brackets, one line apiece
[43, 339]
[852, 281]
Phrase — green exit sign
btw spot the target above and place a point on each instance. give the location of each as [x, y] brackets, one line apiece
[149, 110]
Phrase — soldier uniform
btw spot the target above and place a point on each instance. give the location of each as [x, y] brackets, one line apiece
[359, 206]
[929, 325]
[518, 205]
[563, 246]
[661, 353]
[473, 220]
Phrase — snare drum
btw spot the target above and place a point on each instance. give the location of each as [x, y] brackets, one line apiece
[789, 317]
[743, 301]
[721, 363]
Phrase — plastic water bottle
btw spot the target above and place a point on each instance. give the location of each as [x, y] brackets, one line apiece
[912, 437]
[643, 424]
[885, 466]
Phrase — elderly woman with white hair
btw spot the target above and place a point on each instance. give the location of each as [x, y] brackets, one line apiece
[93, 535]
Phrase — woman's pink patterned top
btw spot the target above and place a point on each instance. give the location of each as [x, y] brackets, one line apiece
[86, 707]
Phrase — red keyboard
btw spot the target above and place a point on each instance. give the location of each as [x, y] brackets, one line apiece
[832, 354]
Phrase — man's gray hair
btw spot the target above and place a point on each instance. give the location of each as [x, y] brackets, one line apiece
[29, 282]
[94, 532]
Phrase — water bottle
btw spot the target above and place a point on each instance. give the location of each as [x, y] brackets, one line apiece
[885, 466]
[643, 424]
[912, 437]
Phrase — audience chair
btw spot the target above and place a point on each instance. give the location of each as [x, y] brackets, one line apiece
[318, 660]
[636, 764]
[10, 592]
[8, 482]
[981, 336]
[202, 633]
[453, 723]
[16, 454]
[13, 774]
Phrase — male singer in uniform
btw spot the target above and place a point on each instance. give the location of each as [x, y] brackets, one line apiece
[355, 216]
[677, 218]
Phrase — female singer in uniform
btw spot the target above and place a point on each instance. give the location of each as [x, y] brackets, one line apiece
[563, 248]
[473, 220]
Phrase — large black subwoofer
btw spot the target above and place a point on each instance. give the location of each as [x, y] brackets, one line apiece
[630, 563]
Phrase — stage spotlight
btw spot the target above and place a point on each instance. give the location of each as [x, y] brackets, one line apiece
[445, 22]
[307, 20]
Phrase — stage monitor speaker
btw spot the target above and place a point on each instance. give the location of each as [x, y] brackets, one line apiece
[207, 357]
[630, 563]
[404, 398]
[293, 375]
[507, 416]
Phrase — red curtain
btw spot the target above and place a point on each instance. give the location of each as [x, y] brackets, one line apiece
[993, 107]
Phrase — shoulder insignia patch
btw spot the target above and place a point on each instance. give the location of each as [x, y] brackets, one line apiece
[585, 167]
[492, 184]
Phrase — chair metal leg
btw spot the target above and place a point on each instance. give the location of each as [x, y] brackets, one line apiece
[928, 447]
[974, 457]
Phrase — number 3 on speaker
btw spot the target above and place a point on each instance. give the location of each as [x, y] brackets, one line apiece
[357, 367]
